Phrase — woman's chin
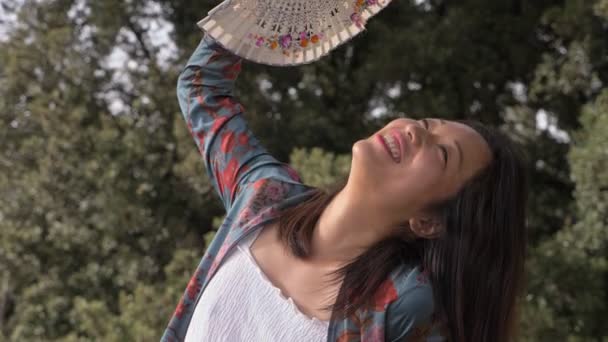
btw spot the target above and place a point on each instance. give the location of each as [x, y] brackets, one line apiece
[368, 173]
[373, 155]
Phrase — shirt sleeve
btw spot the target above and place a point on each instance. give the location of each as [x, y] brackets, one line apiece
[233, 157]
[409, 317]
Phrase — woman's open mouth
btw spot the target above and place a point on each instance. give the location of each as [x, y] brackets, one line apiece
[391, 145]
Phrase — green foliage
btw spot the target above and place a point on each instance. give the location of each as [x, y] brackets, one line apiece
[319, 168]
[571, 294]
[105, 209]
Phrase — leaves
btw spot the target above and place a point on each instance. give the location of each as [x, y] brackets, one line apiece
[105, 210]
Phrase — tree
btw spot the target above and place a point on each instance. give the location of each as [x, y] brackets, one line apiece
[567, 300]
[104, 206]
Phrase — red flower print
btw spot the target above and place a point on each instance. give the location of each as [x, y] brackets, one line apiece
[217, 54]
[293, 174]
[348, 336]
[200, 136]
[243, 139]
[194, 286]
[231, 71]
[228, 176]
[374, 334]
[228, 142]
[273, 212]
[385, 295]
[237, 189]
[222, 251]
[179, 310]
[275, 191]
[245, 216]
[217, 124]
[189, 126]
[230, 104]
[213, 267]
[209, 109]
[259, 183]
[256, 220]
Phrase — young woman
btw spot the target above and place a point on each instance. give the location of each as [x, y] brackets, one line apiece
[425, 239]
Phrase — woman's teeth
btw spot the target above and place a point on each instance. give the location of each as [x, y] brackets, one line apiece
[392, 144]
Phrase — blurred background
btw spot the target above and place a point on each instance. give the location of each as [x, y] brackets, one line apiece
[105, 207]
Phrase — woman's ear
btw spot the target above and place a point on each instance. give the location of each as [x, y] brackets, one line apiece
[426, 227]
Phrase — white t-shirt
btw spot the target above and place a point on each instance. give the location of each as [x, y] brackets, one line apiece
[241, 304]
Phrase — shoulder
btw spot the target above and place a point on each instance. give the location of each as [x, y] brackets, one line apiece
[410, 315]
[267, 193]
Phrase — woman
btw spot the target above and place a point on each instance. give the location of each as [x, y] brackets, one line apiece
[425, 240]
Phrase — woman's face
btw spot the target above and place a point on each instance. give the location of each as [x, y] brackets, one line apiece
[435, 158]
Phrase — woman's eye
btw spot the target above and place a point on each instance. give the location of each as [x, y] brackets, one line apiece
[443, 149]
[445, 154]
[426, 124]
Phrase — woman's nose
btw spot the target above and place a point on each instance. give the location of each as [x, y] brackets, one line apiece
[416, 134]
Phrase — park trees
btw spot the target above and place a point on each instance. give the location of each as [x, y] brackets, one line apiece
[104, 206]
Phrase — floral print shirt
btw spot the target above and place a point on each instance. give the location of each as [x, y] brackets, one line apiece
[253, 187]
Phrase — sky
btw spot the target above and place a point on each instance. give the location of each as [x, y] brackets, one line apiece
[6, 21]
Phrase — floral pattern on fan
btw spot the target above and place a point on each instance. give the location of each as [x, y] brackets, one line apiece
[361, 5]
[287, 41]
[303, 39]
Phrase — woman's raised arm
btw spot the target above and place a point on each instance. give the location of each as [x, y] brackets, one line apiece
[232, 155]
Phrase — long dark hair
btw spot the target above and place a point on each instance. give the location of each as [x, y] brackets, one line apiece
[476, 267]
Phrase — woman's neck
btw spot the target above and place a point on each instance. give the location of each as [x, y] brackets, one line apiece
[346, 229]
